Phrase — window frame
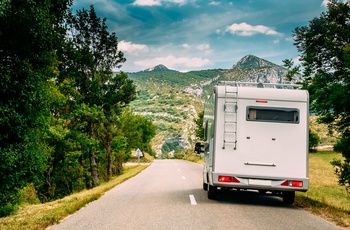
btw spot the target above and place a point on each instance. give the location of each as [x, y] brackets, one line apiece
[295, 121]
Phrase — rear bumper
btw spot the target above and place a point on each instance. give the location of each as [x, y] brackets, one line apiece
[261, 182]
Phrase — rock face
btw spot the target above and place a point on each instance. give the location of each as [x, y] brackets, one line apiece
[254, 69]
[251, 61]
[157, 68]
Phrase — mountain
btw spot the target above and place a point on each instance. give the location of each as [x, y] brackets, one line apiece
[254, 69]
[172, 100]
[251, 61]
[157, 70]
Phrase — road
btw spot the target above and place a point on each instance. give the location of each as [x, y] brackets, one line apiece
[169, 195]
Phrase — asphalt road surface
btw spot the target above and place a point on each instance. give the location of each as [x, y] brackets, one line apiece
[169, 195]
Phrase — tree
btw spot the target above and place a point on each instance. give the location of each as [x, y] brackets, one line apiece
[324, 45]
[87, 60]
[138, 130]
[29, 34]
[199, 123]
[314, 140]
[292, 70]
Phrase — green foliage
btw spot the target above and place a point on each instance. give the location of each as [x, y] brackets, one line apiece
[324, 47]
[314, 140]
[138, 130]
[199, 129]
[59, 102]
[28, 195]
[172, 144]
[292, 70]
[342, 168]
[29, 34]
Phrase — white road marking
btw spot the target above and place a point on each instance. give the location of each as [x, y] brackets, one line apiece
[183, 177]
[193, 200]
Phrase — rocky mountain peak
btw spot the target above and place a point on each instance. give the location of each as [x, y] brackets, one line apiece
[251, 61]
[158, 67]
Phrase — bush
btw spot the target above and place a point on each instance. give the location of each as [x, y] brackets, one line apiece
[314, 140]
[8, 209]
[342, 169]
[28, 195]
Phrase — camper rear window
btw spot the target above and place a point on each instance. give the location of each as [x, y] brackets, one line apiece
[268, 114]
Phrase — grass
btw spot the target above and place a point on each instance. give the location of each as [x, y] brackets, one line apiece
[193, 157]
[41, 216]
[325, 197]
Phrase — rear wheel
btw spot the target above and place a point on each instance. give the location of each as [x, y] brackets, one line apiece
[205, 186]
[212, 192]
[288, 197]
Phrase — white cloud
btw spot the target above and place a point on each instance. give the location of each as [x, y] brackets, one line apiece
[131, 47]
[172, 62]
[157, 2]
[276, 41]
[203, 47]
[185, 45]
[324, 3]
[147, 3]
[244, 29]
[213, 3]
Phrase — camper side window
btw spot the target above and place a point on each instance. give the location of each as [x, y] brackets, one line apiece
[268, 114]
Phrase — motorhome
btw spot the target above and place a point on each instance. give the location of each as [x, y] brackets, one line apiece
[256, 138]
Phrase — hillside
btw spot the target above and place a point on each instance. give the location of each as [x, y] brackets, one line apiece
[172, 100]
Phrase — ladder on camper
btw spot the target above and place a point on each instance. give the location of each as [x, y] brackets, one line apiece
[230, 116]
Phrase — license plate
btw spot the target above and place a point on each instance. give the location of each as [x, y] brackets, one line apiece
[259, 182]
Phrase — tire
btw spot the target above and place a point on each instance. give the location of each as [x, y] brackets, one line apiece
[205, 186]
[212, 192]
[288, 197]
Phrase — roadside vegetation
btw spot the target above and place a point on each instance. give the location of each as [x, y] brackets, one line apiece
[41, 216]
[325, 196]
[65, 122]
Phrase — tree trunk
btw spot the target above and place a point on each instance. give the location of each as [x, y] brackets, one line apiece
[94, 172]
[108, 154]
[119, 168]
[88, 184]
[93, 164]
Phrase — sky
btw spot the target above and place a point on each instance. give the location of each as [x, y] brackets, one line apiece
[187, 35]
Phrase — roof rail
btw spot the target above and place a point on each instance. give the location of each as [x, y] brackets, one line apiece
[261, 85]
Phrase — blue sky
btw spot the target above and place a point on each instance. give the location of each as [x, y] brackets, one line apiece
[189, 35]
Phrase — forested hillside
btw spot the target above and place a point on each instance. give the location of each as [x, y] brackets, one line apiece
[172, 100]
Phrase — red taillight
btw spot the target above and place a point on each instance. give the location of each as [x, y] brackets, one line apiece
[297, 183]
[228, 179]
[292, 183]
[261, 101]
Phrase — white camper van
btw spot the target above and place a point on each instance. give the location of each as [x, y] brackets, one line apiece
[256, 137]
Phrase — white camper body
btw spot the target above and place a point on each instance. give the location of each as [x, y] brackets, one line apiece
[256, 138]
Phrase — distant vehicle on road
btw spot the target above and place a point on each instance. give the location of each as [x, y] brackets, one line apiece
[256, 137]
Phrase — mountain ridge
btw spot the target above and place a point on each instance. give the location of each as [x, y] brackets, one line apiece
[251, 61]
[247, 61]
[172, 100]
